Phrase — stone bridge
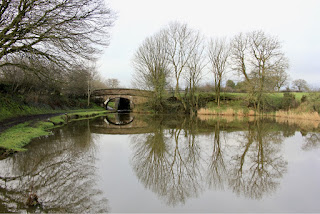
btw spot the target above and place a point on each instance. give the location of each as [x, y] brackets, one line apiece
[125, 99]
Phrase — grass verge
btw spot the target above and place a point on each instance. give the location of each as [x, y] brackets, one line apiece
[17, 137]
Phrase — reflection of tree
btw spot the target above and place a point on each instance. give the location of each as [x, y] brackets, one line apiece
[257, 165]
[217, 168]
[312, 140]
[60, 171]
[172, 162]
[288, 130]
[169, 166]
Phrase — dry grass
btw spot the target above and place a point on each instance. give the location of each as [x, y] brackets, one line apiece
[314, 116]
[305, 120]
[284, 114]
[206, 117]
[205, 111]
[229, 112]
[251, 113]
[227, 118]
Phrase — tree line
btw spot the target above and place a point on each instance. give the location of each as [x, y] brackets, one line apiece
[179, 53]
[298, 85]
[50, 47]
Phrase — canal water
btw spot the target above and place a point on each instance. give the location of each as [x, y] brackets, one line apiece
[144, 163]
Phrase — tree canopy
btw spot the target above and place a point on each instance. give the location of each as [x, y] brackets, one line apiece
[63, 32]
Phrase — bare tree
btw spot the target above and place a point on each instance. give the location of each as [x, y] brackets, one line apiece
[175, 49]
[112, 83]
[82, 81]
[91, 75]
[219, 54]
[64, 32]
[181, 43]
[193, 74]
[240, 61]
[26, 82]
[280, 78]
[239, 55]
[300, 85]
[151, 65]
[257, 56]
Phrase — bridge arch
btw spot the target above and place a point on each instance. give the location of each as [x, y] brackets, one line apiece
[120, 104]
[123, 96]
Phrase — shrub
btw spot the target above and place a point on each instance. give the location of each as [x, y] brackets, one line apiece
[314, 101]
[304, 98]
[272, 103]
[288, 101]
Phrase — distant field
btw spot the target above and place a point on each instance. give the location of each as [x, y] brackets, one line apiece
[235, 101]
[298, 95]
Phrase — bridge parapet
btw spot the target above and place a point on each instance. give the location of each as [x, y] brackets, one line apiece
[122, 91]
[135, 96]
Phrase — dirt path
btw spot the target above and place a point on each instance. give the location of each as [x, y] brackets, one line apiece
[8, 123]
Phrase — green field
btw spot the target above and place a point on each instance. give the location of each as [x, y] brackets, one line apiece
[239, 101]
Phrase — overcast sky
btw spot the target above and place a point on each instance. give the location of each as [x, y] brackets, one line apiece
[295, 23]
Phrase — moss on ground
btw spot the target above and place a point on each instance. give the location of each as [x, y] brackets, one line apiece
[17, 137]
[63, 119]
[20, 135]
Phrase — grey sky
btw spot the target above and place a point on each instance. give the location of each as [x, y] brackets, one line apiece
[296, 23]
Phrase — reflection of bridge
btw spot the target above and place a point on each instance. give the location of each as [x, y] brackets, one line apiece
[121, 124]
[124, 98]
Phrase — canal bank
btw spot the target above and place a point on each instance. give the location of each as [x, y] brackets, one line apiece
[18, 132]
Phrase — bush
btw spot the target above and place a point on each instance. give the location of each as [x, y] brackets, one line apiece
[304, 98]
[272, 103]
[205, 98]
[289, 101]
[314, 101]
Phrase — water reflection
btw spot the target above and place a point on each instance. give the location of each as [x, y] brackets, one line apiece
[312, 141]
[60, 171]
[257, 164]
[119, 119]
[176, 158]
[176, 165]
[169, 163]
[217, 170]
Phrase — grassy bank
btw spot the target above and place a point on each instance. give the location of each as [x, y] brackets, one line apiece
[17, 105]
[15, 138]
[286, 105]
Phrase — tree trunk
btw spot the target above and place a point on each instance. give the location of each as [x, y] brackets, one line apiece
[88, 92]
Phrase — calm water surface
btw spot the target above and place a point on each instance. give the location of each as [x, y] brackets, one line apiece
[136, 163]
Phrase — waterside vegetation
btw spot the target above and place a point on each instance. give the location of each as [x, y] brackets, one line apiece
[16, 137]
[298, 105]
